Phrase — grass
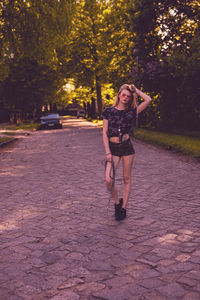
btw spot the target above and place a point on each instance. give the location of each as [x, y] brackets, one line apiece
[10, 133]
[180, 143]
[4, 139]
[22, 126]
[99, 122]
[15, 130]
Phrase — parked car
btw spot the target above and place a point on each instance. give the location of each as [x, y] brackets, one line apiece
[51, 121]
[80, 113]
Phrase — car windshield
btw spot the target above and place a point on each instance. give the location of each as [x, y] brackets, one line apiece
[51, 116]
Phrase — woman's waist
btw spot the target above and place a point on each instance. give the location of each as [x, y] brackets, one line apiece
[115, 139]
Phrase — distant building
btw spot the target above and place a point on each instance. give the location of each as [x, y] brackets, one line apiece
[73, 108]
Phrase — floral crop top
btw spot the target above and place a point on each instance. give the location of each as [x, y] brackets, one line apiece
[119, 121]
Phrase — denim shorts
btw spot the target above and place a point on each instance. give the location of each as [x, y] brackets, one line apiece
[122, 149]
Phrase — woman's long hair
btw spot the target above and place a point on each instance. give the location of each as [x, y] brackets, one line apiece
[131, 89]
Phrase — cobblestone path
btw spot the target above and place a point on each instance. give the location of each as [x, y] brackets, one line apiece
[59, 240]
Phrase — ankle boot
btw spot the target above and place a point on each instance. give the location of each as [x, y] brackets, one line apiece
[118, 208]
[122, 214]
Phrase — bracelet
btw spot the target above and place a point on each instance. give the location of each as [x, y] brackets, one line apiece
[108, 153]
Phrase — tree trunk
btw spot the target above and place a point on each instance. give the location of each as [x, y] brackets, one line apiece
[99, 99]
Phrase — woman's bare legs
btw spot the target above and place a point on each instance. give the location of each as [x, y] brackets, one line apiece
[109, 181]
[127, 167]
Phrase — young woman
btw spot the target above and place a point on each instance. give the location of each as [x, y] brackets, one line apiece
[118, 122]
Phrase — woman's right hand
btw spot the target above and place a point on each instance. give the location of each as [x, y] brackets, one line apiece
[133, 88]
[109, 157]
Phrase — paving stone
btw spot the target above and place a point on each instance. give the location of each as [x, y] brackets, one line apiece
[195, 259]
[147, 262]
[163, 252]
[193, 274]
[129, 254]
[66, 295]
[196, 253]
[168, 278]
[168, 237]
[100, 266]
[118, 281]
[191, 296]
[184, 238]
[55, 268]
[172, 290]
[151, 283]
[70, 283]
[101, 276]
[197, 288]
[151, 296]
[188, 281]
[136, 289]
[27, 290]
[50, 258]
[145, 273]
[114, 294]
[87, 289]
[183, 266]
[75, 256]
[166, 262]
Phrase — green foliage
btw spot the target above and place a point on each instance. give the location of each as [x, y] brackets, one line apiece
[34, 28]
[98, 48]
[29, 85]
[23, 126]
[80, 94]
[4, 139]
[84, 54]
[120, 45]
[108, 94]
[167, 58]
[30, 34]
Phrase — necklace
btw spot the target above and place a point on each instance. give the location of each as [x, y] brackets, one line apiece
[119, 125]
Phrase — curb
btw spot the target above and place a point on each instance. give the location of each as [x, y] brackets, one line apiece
[8, 142]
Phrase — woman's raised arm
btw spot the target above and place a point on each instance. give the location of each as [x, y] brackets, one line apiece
[147, 100]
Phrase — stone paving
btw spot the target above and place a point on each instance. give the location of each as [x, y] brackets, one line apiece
[59, 239]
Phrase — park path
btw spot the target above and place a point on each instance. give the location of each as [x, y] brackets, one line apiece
[59, 240]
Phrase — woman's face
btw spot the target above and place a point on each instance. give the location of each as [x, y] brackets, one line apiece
[125, 97]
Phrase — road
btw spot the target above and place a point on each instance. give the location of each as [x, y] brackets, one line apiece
[59, 239]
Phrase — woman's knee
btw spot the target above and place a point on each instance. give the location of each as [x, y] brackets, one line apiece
[127, 179]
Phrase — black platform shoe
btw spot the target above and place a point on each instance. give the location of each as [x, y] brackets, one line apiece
[122, 214]
[118, 208]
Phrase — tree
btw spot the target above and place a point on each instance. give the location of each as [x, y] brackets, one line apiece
[166, 58]
[81, 55]
[29, 85]
[31, 32]
[99, 46]
[34, 28]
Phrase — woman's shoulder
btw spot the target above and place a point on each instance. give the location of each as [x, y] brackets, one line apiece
[131, 113]
[107, 112]
[108, 109]
[133, 110]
